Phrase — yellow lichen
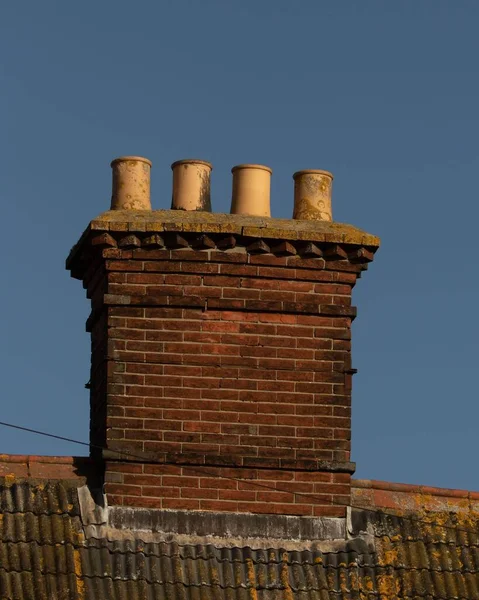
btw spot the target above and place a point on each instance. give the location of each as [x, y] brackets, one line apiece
[390, 557]
[79, 574]
[367, 584]
[387, 586]
[284, 576]
[343, 582]
[251, 579]
[354, 580]
[9, 479]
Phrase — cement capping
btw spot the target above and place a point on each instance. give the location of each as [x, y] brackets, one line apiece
[226, 529]
[176, 220]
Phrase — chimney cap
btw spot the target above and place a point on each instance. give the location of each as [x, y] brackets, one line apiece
[191, 161]
[248, 166]
[313, 172]
[134, 158]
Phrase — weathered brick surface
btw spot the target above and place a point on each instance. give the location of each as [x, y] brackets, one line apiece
[225, 375]
[19, 466]
[228, 489]
[232, 375]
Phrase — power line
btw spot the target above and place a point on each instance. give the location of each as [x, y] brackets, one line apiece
[205, 471]
[50, 435]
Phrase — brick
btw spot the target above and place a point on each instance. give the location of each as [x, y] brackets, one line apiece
[181, 415]
[241, 294]
[314, 432]
[313, 410]
[241, 495]
[180, 481]
[141, 479]
[164, 336]
[180, 504]
[123, 288]
[143, 278]
[221, 281]
[182, 280]
[202, 292]
[261, 284]
[124, 265]
[161, 266]
[272, 409]
[113, 277]
[181, 436]
[275, 272]
[219, 417]
[205, 493]
[203, 427]
[183, 370]
[123, 489]
[202, 267]
[141, 412]
[220, 372]
[160, 491]
[163, 380]
[230, 257]
[267, 259]
[218, 505]
[329, 511]
[238, 270]
[220, 327]
[171, 314]
[334, 489]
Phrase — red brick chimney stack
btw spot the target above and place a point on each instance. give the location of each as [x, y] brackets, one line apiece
[221, 356]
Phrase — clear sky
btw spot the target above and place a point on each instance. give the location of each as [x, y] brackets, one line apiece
[385, 94]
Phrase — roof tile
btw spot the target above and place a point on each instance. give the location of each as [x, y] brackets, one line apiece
[44, 555]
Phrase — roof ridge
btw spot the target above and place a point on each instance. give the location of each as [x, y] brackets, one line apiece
[412, 488]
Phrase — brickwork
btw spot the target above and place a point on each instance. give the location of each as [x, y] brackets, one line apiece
[274, 491]
[221, 370]
[15, 467]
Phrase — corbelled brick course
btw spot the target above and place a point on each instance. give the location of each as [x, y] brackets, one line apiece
[221, 365]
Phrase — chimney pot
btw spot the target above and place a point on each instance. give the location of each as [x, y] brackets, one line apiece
[191, 185]
[131, 183]
[312, 195]
[251, 190]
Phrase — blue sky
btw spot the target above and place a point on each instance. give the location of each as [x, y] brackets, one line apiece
[384, 94]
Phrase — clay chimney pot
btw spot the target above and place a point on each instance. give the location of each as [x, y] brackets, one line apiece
[191, 185]
[251, 190]
[131, 183]
[312, 195]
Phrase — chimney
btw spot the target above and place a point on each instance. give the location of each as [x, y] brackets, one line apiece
[221, 352]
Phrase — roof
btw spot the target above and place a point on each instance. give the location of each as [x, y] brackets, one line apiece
[402, 542]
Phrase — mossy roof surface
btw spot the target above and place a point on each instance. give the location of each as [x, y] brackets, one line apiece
[45, 555]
